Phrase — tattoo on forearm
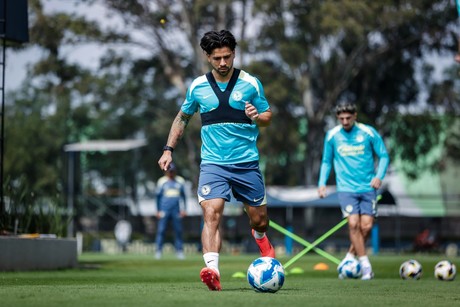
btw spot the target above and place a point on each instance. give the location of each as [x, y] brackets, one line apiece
[183, 119]
[177, 129]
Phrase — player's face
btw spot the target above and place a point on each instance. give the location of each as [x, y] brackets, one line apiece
[171, 173]
[347, 120]
[221, 60]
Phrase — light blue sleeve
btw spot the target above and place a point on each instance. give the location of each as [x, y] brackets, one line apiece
[190, 105]
[381, 152]
[260, 101]
[326, 162]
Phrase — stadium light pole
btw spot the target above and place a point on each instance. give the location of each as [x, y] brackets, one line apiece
[14, 26]
[2, 128]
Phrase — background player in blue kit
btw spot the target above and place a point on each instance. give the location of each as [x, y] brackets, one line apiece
[232, 106]
[350, 148]
[171, 206]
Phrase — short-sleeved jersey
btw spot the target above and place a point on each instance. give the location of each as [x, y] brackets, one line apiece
[227, 142]
[352, 153]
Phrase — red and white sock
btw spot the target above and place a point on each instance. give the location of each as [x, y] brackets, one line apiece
[259, 235]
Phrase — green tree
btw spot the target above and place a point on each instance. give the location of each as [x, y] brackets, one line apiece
[170, 32]
[436, 126]
[49, 110]
[308, 54]
[127, 96]
[366, 52]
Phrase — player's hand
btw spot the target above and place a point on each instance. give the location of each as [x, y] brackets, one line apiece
[165, 160]
[322, 192]
[251, 111]
[376, 183]
[183, 213]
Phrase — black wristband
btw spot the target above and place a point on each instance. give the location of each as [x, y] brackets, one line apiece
[168, 148]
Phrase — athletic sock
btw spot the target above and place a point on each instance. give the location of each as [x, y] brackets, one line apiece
[349, 256]
[364, 260]
[258, 235]
[265, 247]
[212, 261]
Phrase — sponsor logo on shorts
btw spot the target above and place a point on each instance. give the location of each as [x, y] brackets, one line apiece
[349, 208]
[205, 190]
[258, 199]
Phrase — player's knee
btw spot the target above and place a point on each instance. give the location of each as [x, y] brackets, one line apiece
[353, 225]
[211, 213]
[366, 227]
[259, 223]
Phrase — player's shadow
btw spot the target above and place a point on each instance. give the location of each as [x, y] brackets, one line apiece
[245, 290]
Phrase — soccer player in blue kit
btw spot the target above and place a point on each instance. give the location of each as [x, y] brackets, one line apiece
[350, 148]
[171, 205]
[232, 106]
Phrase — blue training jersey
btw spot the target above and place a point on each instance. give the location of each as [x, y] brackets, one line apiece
[227, 142]
[352, 153]
[171, 193]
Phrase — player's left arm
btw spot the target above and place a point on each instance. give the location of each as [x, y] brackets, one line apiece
[258, 109]
[261, 119]
[384, 160]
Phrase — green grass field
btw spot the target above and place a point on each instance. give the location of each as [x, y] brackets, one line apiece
[140, 280]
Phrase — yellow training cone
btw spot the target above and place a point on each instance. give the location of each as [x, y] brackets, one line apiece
[239, 275]
[296, 271]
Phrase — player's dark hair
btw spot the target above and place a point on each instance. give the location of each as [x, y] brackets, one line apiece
[345, 107]
[214, 39]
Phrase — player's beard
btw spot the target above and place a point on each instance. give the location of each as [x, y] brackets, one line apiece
[224, 71]
[348, 127]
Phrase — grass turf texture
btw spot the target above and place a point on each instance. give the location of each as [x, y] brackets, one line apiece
[139, 280]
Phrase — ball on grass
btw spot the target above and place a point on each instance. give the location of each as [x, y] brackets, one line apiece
[445, 270]
[266, 274]
[410, 269]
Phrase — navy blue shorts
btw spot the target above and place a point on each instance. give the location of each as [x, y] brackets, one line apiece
[358, 203]
[244, 180]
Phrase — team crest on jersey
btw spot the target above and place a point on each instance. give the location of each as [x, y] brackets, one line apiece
[205, 190]
[359, 138]
[237, 95]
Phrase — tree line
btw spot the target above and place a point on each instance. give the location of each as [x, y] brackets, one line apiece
[309, 55]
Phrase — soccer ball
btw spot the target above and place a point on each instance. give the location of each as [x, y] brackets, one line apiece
[349, 268]
[445, 270]
[410, 269]
[266, 274]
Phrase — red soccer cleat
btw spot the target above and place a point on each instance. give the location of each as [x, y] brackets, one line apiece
[211, 279]
[265, 247]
